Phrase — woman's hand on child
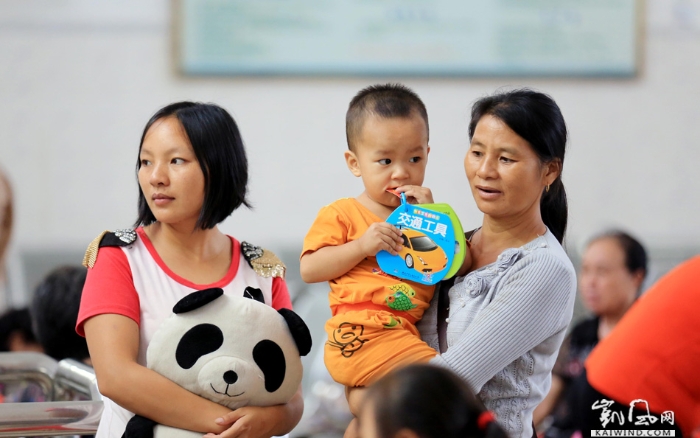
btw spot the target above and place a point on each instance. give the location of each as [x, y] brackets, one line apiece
[416, 194]
[381, 236]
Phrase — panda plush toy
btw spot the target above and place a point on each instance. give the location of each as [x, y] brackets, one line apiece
[235, 351]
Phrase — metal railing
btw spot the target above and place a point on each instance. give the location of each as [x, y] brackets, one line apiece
[73, 403]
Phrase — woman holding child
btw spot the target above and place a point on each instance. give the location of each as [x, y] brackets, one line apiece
[500, 326]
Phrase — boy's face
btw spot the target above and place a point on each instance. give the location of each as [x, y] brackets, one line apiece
[389, 153]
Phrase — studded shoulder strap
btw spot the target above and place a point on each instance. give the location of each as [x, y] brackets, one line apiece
[264, 262]
[122, 237]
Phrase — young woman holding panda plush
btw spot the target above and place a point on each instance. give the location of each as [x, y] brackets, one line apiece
[192, 174]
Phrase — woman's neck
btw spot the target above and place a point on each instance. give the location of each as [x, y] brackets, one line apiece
[191, 243]
[495, 236]
[607, 322]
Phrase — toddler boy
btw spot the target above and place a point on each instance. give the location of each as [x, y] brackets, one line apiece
[372, 330]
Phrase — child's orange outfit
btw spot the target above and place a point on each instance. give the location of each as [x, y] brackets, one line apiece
[372, 329]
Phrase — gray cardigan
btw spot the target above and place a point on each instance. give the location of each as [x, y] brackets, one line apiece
[506, 323]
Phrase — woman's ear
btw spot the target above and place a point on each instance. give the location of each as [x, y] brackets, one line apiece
[353, 163]
[552, 170]
[638, 279]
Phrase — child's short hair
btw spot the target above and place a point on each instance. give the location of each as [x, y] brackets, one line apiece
[54, 310]
[18, 322]
[218, 146]
[432, 402]
[387, 101]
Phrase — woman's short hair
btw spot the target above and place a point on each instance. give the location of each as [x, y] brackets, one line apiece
[218, 146]
[430, 401]
[636, 259]
[536, 118]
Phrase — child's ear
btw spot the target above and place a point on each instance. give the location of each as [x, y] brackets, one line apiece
[353, 163]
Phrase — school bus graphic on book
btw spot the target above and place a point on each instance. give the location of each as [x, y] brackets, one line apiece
[421, 253]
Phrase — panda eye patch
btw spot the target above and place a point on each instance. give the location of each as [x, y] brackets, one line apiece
[270, 358]
[199, 340]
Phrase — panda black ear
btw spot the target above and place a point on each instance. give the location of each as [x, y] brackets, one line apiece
[254, 293]
[195, 300]
[300, 332]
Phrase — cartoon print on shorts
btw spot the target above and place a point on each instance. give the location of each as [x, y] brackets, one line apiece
[347, 338]
[401, 298]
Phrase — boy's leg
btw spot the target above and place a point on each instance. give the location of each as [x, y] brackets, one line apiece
[354, 396]
[353, 430]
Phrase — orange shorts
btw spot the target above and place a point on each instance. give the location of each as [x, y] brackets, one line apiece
[364, 345]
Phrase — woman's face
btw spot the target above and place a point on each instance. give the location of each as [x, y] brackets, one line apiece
[170, 176]
[607, 287]
[505, 175]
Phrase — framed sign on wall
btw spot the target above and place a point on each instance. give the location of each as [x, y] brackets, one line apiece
[408, 37]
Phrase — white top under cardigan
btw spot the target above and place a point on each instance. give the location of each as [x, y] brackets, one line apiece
[506, 323]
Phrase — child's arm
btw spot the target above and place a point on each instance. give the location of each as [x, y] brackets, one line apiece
[331, 262]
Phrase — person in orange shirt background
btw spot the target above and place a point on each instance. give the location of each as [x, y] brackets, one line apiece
[651, 359]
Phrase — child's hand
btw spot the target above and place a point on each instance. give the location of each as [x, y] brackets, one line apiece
[416, 194]
[381, 236]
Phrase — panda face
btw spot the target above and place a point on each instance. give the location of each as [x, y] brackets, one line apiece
[234, 351]
[227, 376]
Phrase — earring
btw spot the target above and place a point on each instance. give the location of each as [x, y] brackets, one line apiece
[547, 188]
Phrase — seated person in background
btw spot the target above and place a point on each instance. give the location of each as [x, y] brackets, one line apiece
[54, 312]
[651, 361]
[614, 265]
[424, 401]
[16, 332]
[16, 336]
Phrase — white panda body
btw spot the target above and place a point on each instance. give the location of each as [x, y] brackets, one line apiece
[232, 350]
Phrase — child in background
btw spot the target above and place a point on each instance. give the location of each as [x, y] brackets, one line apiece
[54, 310]
[372, 329]
[16, 333]
[425, 401]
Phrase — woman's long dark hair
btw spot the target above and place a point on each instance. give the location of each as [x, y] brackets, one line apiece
[538, 120]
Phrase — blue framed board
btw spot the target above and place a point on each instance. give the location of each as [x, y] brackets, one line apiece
[408, 37]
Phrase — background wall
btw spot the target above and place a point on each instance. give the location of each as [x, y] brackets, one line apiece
[79, 79]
